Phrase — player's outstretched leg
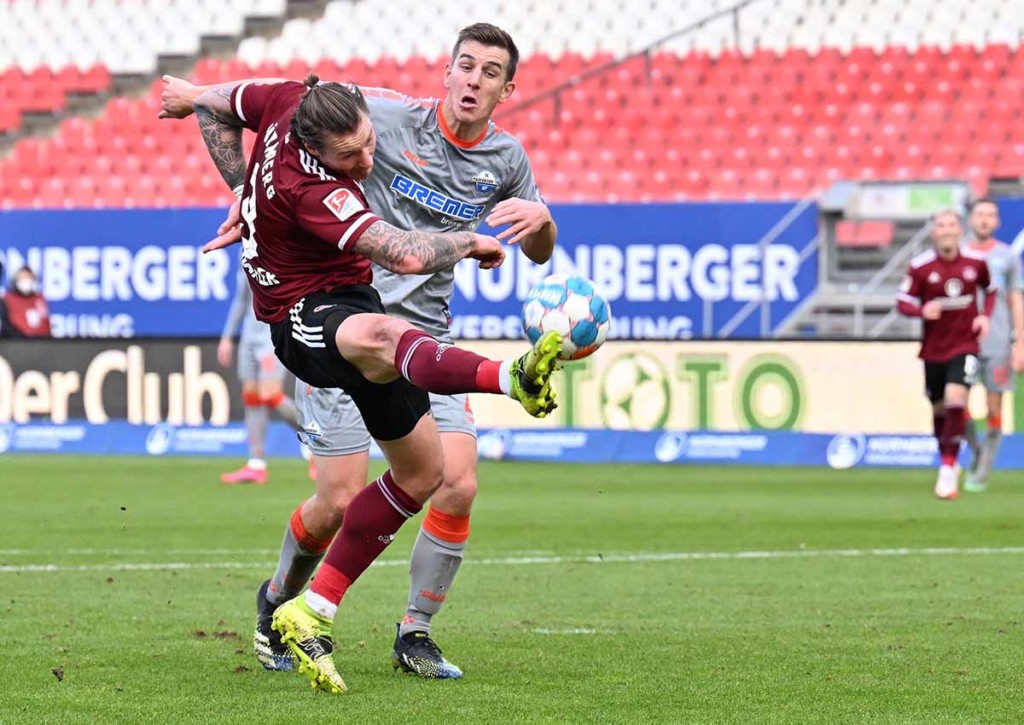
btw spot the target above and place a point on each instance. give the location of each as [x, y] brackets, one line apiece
[416, 652]
[271, 652]
[446, 369]
[308, 635]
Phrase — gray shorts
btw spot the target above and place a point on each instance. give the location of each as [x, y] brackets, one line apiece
[996, 373]
[331, 424]
[256, 357]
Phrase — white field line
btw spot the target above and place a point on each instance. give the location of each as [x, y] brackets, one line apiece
[637, 557]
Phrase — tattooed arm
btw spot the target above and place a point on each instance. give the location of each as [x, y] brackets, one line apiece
[178, 96]
[222, 132]
[417, 252]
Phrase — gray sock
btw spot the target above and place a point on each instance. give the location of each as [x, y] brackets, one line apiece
[971, 436]
[286, 411]
[256, 417]
[295, 567]
[433, 568]
[988, 453]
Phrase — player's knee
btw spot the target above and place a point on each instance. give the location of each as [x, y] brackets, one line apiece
[460, 489]
[336, 491]
[422, 483]
[321, 518]
[369, 342]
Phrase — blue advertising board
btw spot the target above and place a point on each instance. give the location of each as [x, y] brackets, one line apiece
[570, 445]
[670, 271]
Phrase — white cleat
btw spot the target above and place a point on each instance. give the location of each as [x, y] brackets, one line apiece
[947, 485]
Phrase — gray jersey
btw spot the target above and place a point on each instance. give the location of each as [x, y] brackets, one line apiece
[426, 179]
[242, 314]
[1005, 268]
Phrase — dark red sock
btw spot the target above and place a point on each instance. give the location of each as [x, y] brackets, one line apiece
[371, 520]
[938, 423]
[952, 434]
[438, 367]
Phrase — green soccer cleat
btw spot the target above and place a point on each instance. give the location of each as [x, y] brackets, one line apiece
[308, 637]
[531, 375]
[973, 484]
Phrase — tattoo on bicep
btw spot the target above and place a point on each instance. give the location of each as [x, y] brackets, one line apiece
[389, 247]
[223, 137]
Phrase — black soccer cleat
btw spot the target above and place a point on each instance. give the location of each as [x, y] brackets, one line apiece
[273, 654]
[416, 652]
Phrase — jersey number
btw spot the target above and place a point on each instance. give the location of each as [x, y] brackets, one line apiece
[970, 369]
[248, 212]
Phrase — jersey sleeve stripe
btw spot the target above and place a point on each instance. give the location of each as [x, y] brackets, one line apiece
[358, 227]
[238, 100]
[909, 299]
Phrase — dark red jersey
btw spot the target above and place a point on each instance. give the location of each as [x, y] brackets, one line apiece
[955, 284]
[28, 315]
[298, 221]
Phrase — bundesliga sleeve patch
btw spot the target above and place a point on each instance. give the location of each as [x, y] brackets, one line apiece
[343, 204]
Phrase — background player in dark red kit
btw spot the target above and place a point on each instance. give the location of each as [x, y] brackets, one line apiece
[941, 287]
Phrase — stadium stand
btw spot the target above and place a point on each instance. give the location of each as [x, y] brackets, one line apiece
[776, 99]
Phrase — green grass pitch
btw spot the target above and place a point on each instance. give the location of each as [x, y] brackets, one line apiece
[603, 594]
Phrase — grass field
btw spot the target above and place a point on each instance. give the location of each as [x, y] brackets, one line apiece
[597, 594]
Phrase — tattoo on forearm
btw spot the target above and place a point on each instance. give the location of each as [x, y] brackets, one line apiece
[223, 136]
[389, 247]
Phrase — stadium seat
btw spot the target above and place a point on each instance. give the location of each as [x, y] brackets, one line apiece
[850, 233]
[806, 95]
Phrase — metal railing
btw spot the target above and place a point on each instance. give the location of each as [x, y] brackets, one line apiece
[764, 304]
[895, 262]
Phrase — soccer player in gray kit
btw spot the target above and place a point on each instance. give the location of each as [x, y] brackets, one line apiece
[1002, 351]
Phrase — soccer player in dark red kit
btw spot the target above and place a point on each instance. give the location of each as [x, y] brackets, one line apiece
[941, 287]
[308, 238]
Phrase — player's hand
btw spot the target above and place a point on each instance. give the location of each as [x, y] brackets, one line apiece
[980, 326]
[522, 217]
[488, 251]
[225, 348]
[932, 310]
[230, 231]
[176, 97]
[1017, 357]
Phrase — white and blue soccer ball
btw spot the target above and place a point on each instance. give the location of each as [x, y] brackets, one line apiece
[571, 305]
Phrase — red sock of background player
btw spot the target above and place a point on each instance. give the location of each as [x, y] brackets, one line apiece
[952, 434]
[371, 520]
[438, 367]
[938, 424]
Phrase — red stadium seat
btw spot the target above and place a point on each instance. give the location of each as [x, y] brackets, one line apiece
[690, 126]
[850, 233]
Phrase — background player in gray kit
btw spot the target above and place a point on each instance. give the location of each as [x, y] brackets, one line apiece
[1002, 351]
[262, 376]
[438, 166]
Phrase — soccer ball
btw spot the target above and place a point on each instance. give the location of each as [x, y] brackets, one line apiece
[570, 305]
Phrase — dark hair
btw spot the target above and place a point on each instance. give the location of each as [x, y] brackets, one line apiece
[493, 36]
[984, 200]
[327, 109]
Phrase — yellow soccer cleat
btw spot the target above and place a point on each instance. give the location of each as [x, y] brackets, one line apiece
[308, 636]
[531, 375]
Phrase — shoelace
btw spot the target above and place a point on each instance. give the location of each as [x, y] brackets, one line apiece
[426, 643]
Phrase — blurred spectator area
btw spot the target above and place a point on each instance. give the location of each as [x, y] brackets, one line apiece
[774, 99]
